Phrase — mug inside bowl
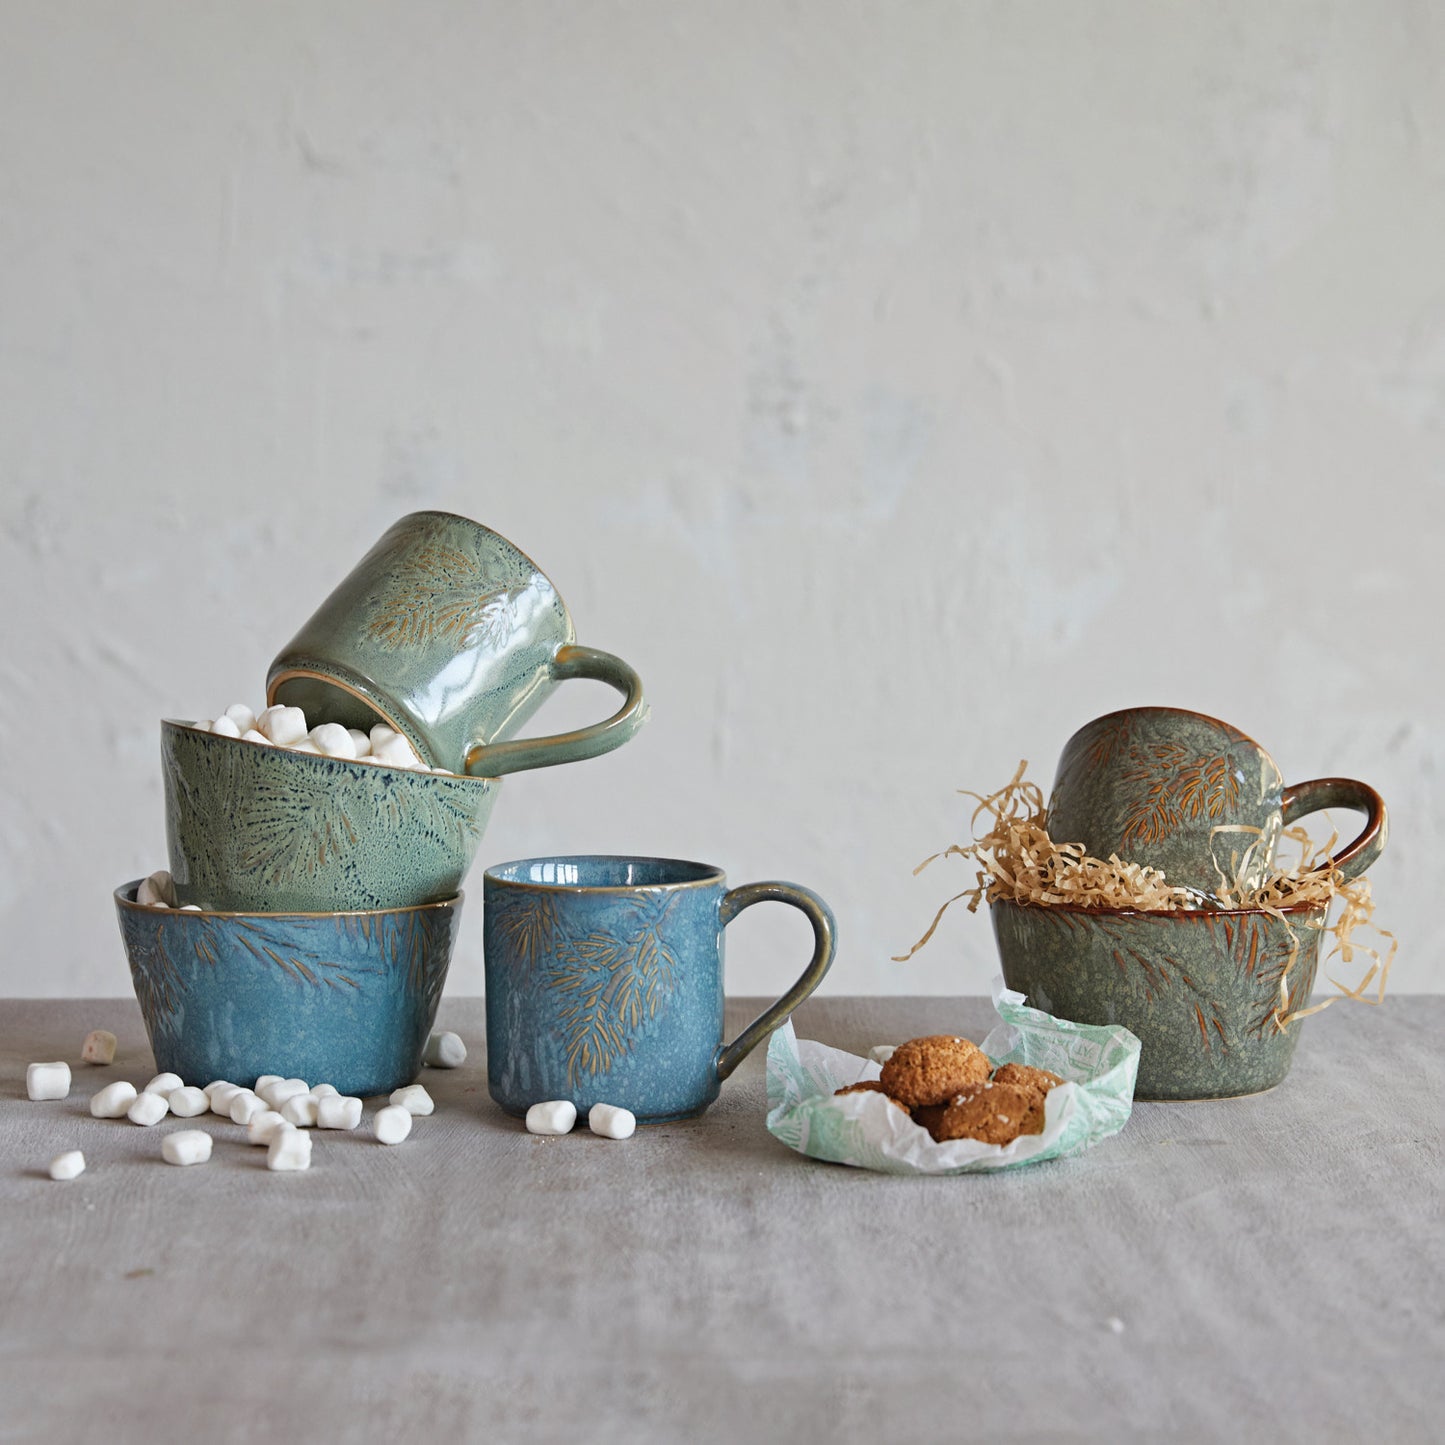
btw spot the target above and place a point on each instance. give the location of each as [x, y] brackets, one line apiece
[600, 871]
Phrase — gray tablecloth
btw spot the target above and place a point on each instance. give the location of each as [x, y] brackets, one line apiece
[1261, 1269]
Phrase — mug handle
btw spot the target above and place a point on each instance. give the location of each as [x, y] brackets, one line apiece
[1319, 793]
[825, 942]
[491, 760]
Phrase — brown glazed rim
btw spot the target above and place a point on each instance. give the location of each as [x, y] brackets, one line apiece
[1195, 915]
[151, 911]
[169, 722]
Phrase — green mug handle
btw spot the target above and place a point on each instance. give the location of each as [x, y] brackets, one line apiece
[825, 943]
[1320, 793]
[491, 760]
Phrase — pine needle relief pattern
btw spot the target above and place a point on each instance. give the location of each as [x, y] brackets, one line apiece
[611, 987]
[444, 593]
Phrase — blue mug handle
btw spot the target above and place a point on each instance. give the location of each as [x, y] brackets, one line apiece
[825, 943]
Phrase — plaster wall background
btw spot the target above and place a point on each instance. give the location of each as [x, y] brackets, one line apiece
[897, 386]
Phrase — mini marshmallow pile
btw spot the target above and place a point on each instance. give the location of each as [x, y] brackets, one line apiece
[275, 1114]
[557, 1116]
[286, 727]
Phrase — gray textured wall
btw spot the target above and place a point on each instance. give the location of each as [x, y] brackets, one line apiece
[896, 385]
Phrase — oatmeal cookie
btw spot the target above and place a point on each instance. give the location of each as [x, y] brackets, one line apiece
[1027, 1077]
[933, 1070]
[994, 1113]
[870, 1086]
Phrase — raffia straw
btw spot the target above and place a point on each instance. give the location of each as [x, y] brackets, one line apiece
[1016, 859]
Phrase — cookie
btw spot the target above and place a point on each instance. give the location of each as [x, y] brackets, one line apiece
[933, 1070]
[994, 1113]
[930, 1117]
[1027, 1077]
[869, 1086]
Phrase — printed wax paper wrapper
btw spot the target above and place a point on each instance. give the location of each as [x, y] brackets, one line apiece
[1097, 1063]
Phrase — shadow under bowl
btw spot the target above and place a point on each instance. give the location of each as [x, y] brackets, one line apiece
[254, 828]
[1201, 989]
[339, 998]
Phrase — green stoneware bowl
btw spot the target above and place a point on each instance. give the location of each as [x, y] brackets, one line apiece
[346, 999]
[1201, 989]
[258, 829]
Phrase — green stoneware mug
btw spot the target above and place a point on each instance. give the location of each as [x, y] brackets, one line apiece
[1186, 793]
[451, 635]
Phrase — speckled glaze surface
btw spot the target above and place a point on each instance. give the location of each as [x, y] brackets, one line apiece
[1200, 988]
[605, 981]
[1152, 783]
[454, 637]
[345, 999]
[261, 829]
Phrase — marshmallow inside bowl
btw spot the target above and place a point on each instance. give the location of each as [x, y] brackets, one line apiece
[259, 825]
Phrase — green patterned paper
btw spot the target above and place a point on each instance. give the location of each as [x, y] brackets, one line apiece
[1098, 1065]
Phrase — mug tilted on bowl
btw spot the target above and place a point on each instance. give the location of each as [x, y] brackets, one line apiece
[453, 636]
[254, 828]
[346, 998]
[1186, 793]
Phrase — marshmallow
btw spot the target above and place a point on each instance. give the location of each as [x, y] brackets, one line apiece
[611, 1122]
[113, 1101]
[320, 1091]
[300, 1110]
[289, 1149]
[396, 752]
[381, 734]
[245, 1106]
[221, 1098]
[445, 1051]
[186, 1102]
[556, 1116]
[338, 1111]
[413, 1098]
[47, 1081]
[256, 737]
[203, 726]
[209, 1089]
[191, 908]
[164, 1084]
[276, 1094]
[265, 1081]
[333, 740]
[99, 1047]
[67, 1165]
[186, 1146]
[263, 1126]
[283, 725]
[881, 1053]
[242, 716]
[304, 746]
[157, 891]
[224, 727]
[361, 742]
[391, 1124]
[147, 1109]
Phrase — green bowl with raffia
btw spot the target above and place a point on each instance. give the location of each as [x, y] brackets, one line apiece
[252, 828]
[1210, 993]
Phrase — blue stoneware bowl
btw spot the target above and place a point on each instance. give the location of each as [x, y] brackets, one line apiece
[333, 998]
[258, 829]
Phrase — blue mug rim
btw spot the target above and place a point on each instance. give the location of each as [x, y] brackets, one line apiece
[680, 873]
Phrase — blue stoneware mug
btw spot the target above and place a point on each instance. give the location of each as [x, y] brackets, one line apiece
[605, 981]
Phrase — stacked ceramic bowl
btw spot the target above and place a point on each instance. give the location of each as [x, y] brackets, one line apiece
[317, 897]
[1215, 993]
